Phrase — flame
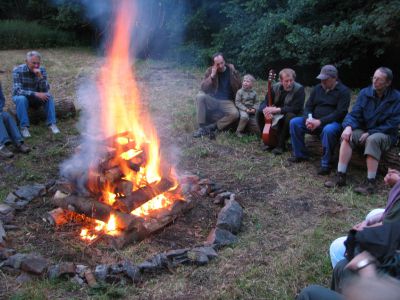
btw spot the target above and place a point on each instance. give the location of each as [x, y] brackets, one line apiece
[157, 202]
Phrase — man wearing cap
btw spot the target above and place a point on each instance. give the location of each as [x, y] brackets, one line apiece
[325, 109]
[372, 124]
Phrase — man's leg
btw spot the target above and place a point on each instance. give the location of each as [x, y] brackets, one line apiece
[22, 105]
[329, 138]
[4, 137]
[284, 130]
[340, 274]
[244, 119]
[12, 128]
[230, 112]
[317, 292]
[260, 120]
[50, 110]
[204, 104]
[298, 130]
[337, 250]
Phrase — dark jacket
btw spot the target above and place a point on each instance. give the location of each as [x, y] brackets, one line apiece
[375, 115]
[293, 102]
[329, 106]
[210, 86]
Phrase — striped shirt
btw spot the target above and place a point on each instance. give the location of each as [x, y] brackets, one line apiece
[26, 83]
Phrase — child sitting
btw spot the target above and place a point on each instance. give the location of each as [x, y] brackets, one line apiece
[245, 101]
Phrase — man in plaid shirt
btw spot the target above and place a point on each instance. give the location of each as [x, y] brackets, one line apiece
[31, 89]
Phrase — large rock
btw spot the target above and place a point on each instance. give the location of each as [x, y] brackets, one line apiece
[34, 264]
[101, 272]
[3, 235]
[155, 263]
[15, 260]
[133, 272]
[15, 202]
[220, 237]
[230, 217]
[66, 269]
[6, 253]
[30, 192]
[6, 213]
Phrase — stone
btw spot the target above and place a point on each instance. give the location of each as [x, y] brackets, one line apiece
[15, 260]
[6, 253]
[24, 278]
[101, 272]
[133, 272]
[66, 269]
[117, 268]
[81, 269]
[220, 237]
[178, 252]
[198, 258]
[205, 181]
[209, 251]
[230, 217]
[157, 262]
[34, 264]
[30, 192]
[77, 280]
[203, 191]
[15, 202]
[3, 235]
[5, 209]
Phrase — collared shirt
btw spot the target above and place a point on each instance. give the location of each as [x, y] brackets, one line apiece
[26, 83]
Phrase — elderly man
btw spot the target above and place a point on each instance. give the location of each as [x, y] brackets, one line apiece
[325, 109]
[31, 89]
[373, 124]
[288, 101]
[215, 102]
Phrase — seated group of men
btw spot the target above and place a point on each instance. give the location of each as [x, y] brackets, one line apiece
[30, 89]
[373, 122]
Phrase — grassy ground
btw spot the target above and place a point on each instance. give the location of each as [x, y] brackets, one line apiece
[290, 218]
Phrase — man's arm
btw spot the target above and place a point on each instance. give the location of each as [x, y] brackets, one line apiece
[341, 108]
[44, 86]
[18, 87]
[309, 108]
[391, 123]
[297, 103]
[353, 118]
[2, 99]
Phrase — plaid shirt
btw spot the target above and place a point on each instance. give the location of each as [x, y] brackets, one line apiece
[26, 83]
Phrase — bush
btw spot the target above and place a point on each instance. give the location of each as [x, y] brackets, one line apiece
[18, 34]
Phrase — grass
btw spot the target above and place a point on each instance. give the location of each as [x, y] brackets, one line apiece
[290, 218]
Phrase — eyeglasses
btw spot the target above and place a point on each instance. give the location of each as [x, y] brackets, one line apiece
[378, 79]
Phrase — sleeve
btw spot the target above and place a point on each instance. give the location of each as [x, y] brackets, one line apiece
[44, 86]
[208, 84]
[309, 108]
[297, 103]
[238, 101]
[18, 86]
[390, 124]
[353, 118]
[341, 109]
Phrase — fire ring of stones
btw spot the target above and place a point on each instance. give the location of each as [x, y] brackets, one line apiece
[31, 266]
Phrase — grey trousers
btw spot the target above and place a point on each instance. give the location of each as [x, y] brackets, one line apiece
[317, 292]
[248, 122]
[211, 110]
[375, 144]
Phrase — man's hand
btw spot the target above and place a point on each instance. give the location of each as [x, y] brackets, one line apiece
[271, 110]
[213, 71]
[346, 134]
[42, 96]
[38, 73]
[312, 124]
[360, 226]
[364, 137]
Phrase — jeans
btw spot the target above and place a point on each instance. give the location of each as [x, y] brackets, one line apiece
[329, 136]
[22, 104]
[8, 130]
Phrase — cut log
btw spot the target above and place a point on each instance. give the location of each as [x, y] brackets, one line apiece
[142, 195]
[97, 210]
[56, 217]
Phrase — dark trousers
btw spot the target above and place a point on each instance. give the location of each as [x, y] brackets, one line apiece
[317, 292]
[283, 126]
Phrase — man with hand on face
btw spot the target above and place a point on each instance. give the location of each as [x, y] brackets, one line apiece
[288, 101]
[215, 102]
[31, 89]
[372, 124]
[325, 109]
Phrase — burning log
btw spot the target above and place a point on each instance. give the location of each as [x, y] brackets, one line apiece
[142, 195]
[97, 210]
[56, 217]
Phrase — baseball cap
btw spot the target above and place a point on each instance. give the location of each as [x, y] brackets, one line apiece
[328, 71]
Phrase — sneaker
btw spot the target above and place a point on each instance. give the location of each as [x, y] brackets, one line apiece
[54, 129]
[324, 171]
[23, 148]
[367, 188]
[340, 180]
[278, 151]
[25, 132]
[200, 132]
[4, 152]
[295, 159]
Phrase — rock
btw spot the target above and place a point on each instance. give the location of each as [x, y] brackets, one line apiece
[34, 264]
[24, 278]
[230, 217]
[205, 181]
[209, 251]
[81, 269]
[15, 260]
[77, 280]
[3, 235]
[220, 237]
[203, 191]
[30, 192]
[15, 202]
[216, 192]
[5, 209]
[157, 262]
[117, 268]
[66, 269]
[133, 272]
[101, 272]
[198, 258]
[178, 252]
[6, 253]
[49, 184]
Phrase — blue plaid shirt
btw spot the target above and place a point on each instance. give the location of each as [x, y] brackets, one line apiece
[26, 83]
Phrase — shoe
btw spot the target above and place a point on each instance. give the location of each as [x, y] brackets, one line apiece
[23, 148]
[295, 159]
[25, 132]
[324, 171]
[367, 188]
[4, 152]
[54, 129]
[239, 134]
[200, 132]
[340, 180]
[278, 151]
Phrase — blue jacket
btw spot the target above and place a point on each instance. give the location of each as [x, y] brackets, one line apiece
[375, 115]
[2, 99]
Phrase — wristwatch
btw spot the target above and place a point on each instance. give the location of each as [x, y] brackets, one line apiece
[364, 263]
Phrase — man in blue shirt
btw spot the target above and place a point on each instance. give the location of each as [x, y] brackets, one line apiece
[31, 89]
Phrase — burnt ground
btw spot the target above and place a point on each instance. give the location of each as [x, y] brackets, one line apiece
[290, 218]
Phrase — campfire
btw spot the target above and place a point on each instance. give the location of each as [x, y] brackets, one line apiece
[117, 181]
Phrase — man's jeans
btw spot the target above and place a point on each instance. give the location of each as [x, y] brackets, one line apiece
[329, 135]
[22, 104]
[8, 130]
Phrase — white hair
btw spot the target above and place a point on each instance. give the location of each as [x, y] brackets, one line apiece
[32, 54]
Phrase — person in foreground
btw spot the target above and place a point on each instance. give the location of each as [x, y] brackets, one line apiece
[9, 132]
[325, 109]
[31, 89]
[215, 102]
[372, 124]
[288, 101]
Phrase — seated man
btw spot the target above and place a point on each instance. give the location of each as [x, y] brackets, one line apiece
[9, 132]
[325, 109]
[373, 124]
[288, 99]
[31, 89]
[215, 103]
